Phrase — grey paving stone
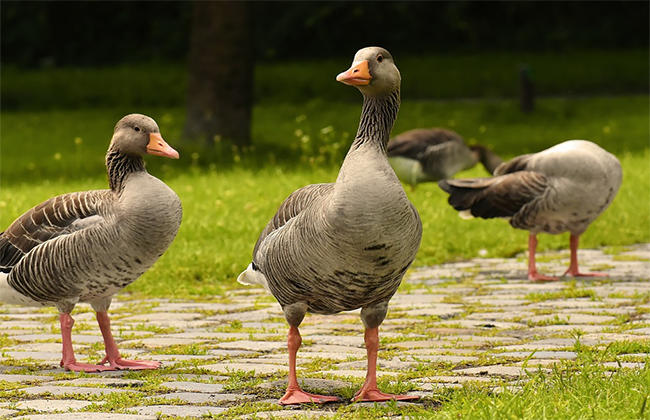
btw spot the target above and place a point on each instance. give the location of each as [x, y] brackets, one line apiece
[25, 378]
[86, 416]
[443, 311]
[37, 355]
[179, 410]
[278, 414]
[331, 351]
[486, 324]
[264, 346]
[40, 347]
[338, 340]
[457, 379]
[499, 301]
[641, 331]
[230, 352]
[52, 405]
[568, 328]
[258, 315]
[170, 358]
[571, 318]
[77, 338]
[439, 351]
[381, 364]
[71, 390]
[5, 412]
[193, 386]
[105, 381]
[443, 358]
[162, 341]
[497, 327]
[417, 300]
[204, 398]
[543, 354]
[229, 368]
[168, 318]
[357, 373]
[568, 304]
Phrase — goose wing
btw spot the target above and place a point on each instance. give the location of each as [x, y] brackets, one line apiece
[57, 216]
[502, 196]
[292, 206]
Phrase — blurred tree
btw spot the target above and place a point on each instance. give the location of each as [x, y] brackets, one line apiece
[220, 67]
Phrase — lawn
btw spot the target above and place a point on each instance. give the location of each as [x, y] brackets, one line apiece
[229, 194]
[229, 198]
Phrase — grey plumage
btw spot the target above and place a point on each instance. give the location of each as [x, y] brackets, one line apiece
[345, 245]
[564, 188]
[431, 154]
[87, 246]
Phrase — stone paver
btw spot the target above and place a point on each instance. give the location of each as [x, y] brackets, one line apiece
[220, 355]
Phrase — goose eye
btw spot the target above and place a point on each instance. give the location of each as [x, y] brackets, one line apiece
[380, 58]
[136, 128]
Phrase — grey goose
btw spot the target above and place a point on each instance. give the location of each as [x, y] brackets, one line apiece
[563, 188]
[87, 246]
[431, 154]
[345, 245]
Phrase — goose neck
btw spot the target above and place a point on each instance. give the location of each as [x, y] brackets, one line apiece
[378, 116]
[119, 166]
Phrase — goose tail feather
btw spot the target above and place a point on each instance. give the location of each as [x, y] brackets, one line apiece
[252, 276]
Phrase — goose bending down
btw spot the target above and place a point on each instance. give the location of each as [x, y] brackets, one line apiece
[344, 245]
[563, 188]
[87, 246]
[431, 154]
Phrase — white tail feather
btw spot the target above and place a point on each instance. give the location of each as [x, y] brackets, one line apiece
[251, 276]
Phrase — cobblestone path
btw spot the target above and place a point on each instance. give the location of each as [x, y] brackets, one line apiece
[479, 320]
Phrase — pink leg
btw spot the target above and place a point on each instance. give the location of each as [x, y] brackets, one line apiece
[113, 354]
[369, 391]
[68, 360]
[294, 394]
[574, 241]
[533, 275]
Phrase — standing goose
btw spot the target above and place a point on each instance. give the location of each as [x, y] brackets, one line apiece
[431, 154]
[87, 246]
[563, 188]
[344, 245]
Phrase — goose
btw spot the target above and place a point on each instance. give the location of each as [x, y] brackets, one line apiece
[87, 246]
[431, 154]
[563, 188]
[345, 245]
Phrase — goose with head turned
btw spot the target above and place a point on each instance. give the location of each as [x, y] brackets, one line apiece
[344, 245]
[87, 246]
[431, 154]
[563, 188]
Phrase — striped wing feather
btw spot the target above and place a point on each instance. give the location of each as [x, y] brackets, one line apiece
[292, 206]
[57, 216]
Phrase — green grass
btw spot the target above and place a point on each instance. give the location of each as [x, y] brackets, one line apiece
[567, 393]
[229, 197]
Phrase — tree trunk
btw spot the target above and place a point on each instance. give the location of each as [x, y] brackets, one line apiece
[219, 98]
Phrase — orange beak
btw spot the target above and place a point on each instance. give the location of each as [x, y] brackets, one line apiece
[159, 147]
[357, 75]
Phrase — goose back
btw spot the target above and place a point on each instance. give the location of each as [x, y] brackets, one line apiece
[563, 188]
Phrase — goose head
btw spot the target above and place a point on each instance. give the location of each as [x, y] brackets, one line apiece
[373, 72]
[137, 134]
